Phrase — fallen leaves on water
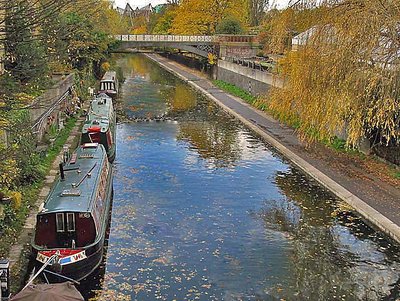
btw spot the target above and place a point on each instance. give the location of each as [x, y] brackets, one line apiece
[139, 287]
[161, 260]
[110, 295]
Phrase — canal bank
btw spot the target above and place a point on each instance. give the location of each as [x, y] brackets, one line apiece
[377, 201]
[20, 251]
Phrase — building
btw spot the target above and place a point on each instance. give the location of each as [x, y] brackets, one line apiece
[302, 38]
[128, 11]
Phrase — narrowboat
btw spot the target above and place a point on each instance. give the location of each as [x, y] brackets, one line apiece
[100, 125]
[72, 223]
[109, 84]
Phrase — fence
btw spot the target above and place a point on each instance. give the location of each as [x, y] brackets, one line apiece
[165, 38]
[45, 109]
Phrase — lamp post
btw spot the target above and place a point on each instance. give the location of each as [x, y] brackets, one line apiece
[4, 280]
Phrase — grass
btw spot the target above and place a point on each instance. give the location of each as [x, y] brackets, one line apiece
[397, 175]
[58, 144]
[31, 192]
[334, 143]
[236, 91]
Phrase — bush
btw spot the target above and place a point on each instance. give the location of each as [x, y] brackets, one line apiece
[230, 26]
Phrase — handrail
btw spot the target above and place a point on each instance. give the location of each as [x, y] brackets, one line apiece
[184, 38]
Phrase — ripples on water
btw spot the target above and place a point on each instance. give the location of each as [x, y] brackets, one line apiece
[203, 210]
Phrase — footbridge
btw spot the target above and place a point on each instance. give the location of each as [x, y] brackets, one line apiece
[219, 45]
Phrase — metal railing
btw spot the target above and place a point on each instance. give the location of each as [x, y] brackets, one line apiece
[248, 39]
[165, 38]
[251, 63]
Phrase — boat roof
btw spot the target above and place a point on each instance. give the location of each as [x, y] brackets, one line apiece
[100, 113]
[102, 105]
[102, 123]
[82, 172]
[109, 76]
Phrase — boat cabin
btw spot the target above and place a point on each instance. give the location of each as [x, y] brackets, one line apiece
[109, 84]
[100, 125]
[72, 215]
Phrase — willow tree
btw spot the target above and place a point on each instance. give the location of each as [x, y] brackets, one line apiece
[346, 76]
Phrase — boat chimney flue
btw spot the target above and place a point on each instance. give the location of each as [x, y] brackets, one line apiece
[62, 175]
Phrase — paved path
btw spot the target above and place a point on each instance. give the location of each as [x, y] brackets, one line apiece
[376, 200]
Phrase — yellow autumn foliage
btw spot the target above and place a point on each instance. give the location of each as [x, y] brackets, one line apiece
[201, 17]
[345, 78]
[105, 66]
[8, 172]
[16, 199]
[182, 99]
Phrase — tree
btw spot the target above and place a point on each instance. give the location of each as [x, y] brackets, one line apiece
[345, 78]
[74, 34]
[257, 9]
[164, 20]
[25, 55]
[229, 26]
[279, 27]
[203, 16]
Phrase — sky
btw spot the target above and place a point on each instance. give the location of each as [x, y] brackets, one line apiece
[141, 3]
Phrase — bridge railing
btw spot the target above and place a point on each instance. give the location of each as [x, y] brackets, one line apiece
[165, 38]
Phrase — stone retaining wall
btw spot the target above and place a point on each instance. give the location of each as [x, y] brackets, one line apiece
[48, 108]
[256, 82]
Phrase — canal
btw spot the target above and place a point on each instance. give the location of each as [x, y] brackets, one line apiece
[205, 210]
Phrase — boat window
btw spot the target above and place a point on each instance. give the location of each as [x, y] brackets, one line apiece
[70, 222]
[60, 222]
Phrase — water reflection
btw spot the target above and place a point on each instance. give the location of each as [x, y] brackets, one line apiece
[182, 98]
[335, 255]
[203, 210]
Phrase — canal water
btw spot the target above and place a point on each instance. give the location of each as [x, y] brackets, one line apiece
[205, 210]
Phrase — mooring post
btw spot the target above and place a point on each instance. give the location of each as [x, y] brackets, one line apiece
[5, 280]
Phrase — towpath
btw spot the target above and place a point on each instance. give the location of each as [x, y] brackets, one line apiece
[363, 184]
[20, 250]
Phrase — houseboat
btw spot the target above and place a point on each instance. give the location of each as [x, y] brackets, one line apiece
[100, 125]
[71, 224]
[109, 84]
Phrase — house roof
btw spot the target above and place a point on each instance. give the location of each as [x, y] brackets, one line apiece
[302, 38]
[128, 8]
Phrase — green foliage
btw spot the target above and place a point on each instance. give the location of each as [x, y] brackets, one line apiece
[163, 21]
[8, 86]
[25, 54]
[85, 44]
[83, 80]
[24, 150]
[58, 144]
[338, 144]
[14, 219]
[230, 26]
